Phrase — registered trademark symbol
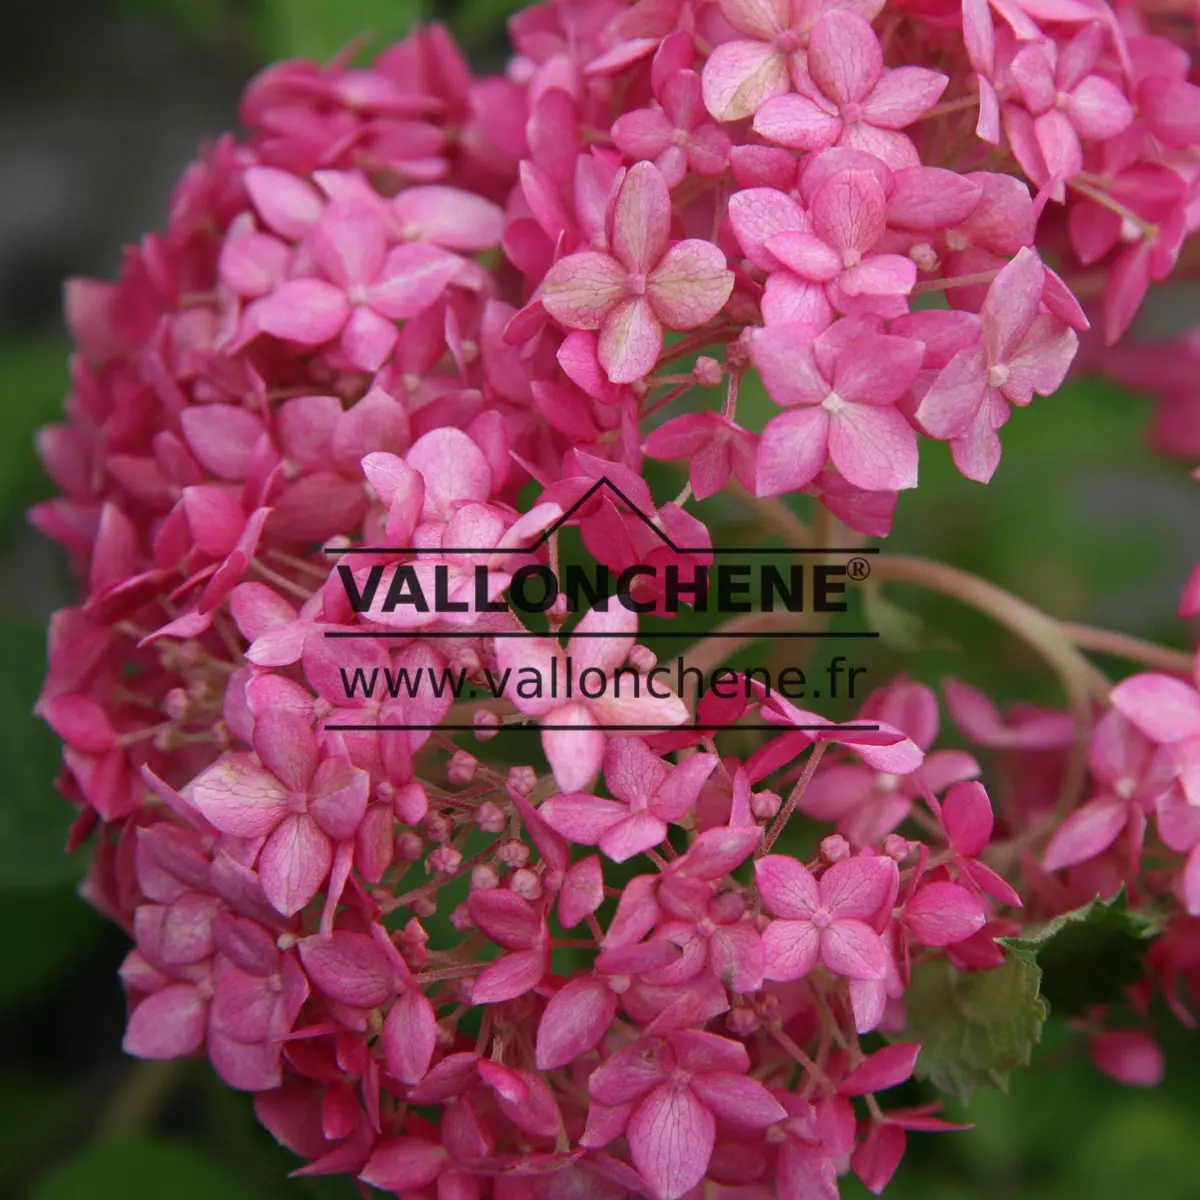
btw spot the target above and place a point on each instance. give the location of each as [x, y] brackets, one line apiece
[858, 568]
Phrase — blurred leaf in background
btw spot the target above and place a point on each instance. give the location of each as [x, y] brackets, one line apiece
[318, 29]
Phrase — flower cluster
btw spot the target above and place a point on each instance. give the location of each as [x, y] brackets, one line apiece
[416, 319]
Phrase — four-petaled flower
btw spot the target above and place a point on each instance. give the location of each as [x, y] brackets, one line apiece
[645, 285]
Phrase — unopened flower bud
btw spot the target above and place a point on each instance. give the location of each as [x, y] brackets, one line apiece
[522, 780]
[708, 371]
[321, 708]
[484, 877]
[462, 767]
[642, 659]
[176, 704]
[764, 805]
[925, 256]
[742, 1022]
[409, 846]
[422, 905]
[445, 860]
[411, 802]
[487, 724]
[897, 847]
[835, 848]
[436, 827]
[526, 884]
[513, 854]
[490, 817]
[460, 919]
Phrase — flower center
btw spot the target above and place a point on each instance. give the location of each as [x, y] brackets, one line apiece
[1125, 788]
[636, 283]
[887, 783]
[851, 256]
[358, 294]
[852, 112]
[821, 919]
[997, 375]
[788, 41]
[680, 137]
[833, 403]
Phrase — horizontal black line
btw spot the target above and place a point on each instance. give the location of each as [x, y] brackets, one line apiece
[602, 728]
[646, 635]
[436, 550]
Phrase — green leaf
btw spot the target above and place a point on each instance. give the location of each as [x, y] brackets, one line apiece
[34, 818]
[318, 29]
[1089, 955]
[33, 381]
[975, 1028]
[140, 1170]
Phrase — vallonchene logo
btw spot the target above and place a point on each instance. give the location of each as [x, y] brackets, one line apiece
[449, 586]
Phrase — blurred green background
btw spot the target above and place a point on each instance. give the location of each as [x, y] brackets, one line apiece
[101, 105]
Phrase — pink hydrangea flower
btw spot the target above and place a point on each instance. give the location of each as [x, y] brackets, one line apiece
[645, 285]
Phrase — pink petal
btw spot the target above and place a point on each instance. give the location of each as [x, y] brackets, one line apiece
[793, 449]
[634, 835]
[739, 77]
[509, 977]
[808, 256]
[1087, 832]
[874, 448]
[790, 950]
[575, 1020]
[942, 913]
[575, 754]
[849, 211]
[643, 133]
[1011, 305]
[167, 1024]
[581, 289]
[240, 798]
[1130, 1056]
[368, 339]
[581, 818]
[879, 369]
[886, 1068]
[507, 919]
[798, 122]
[967, 818]
[348, 244]
[788, 368]
[717, 851]
[404, 1164]
[409, 1037]
[582, 891]
[903, 95]
[347, 967]
[671, 1137]
[1098, 109]
[631, 340]
[738, 1099]
[413, 278]
[690, 284]
[286, 203]
[294, 863]
[853, 949]
[1163, 708]
[844, 58]
[757, 214]
[951, 404]
[880, 275]
[859, 887]
[307, 311]
[641, 221]
[449, 216]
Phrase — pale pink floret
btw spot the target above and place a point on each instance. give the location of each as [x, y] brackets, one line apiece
[742, 75]
[648, 792]
[827, 923]
[675, 137]
[1065, 102]
[714, 447]
[576, 752]
[365, 288]
[849, 217]
[672, 1091]
[1021, 351]
[841, 391]
[645, 285]
[846, 97]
